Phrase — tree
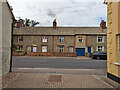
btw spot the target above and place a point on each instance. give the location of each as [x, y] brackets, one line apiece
[28, 23]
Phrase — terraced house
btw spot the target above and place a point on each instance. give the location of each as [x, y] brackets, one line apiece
[61, 41]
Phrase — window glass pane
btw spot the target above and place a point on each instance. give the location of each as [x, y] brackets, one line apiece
[70, 49]
[80, 39]
[44, 48]
[100, 38]
[44, 39]
[61, 39]
[61, 48]
[20, 38]
[100, 48]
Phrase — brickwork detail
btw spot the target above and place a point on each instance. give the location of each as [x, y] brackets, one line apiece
[64, 54]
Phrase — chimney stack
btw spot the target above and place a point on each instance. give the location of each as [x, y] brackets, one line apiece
[103, 24]
[54, 24]
[19, 24]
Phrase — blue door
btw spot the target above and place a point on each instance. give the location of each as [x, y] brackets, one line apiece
[89, 49]
[80, 51]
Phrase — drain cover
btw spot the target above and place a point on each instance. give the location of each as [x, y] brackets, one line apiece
[55, 78]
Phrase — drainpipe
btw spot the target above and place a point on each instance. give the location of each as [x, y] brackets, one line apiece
[11, 47]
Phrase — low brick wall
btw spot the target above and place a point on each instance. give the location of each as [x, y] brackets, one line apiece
[18, 54]
[64, 54]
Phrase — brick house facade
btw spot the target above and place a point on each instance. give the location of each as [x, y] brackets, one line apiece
[59, 41]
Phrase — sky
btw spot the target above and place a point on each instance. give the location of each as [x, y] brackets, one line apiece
[67, 12]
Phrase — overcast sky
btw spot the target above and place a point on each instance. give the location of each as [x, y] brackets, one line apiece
[67, 12]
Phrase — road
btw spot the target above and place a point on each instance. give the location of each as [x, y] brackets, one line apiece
[54, 62]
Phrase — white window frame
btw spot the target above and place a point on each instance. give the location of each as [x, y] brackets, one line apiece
[20, 47]
[71, 49]
[61, 38]
[81, 39]
[20, 38]
[99, 37]
[44, 49]
[61, 48]
[100, 47]
[44, 39]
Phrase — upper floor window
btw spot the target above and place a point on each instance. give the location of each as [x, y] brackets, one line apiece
[20, 38]
[100, 39]
[80, 39]
[44, 39]
[61, 39]
[61, 48]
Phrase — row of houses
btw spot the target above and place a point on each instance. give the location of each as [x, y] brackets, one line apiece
[65, 41]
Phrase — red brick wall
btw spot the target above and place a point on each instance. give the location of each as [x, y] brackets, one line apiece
[18, 54]
[64, 54]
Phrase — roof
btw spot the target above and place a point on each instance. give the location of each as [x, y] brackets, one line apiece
[59, 31]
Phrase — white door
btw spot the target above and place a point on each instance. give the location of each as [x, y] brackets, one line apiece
[34, 49]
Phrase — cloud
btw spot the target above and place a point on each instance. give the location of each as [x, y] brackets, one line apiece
[68, 13]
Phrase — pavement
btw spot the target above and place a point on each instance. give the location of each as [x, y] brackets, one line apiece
[61, 80]
[69, 77]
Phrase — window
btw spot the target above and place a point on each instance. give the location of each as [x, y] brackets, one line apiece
[100, 39]
[20, 38]
[20, 47]
[34, 49]
[61, 39]
[119, 49]
[44, 39]
[70, 49]
[80, 39]
[119, 42]
[61, 48]
[100, 48]
[44, 48]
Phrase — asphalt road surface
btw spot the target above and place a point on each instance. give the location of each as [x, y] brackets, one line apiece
[57, 62]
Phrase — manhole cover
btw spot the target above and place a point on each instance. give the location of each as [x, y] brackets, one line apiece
[55, 78]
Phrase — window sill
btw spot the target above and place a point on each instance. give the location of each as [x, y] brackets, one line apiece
[118, 64]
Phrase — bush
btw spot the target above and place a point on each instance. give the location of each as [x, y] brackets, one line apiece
[19, 51]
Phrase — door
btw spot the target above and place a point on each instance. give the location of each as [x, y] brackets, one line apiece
[28, 50]
[34, 49]
[89, 49]
[80, 51]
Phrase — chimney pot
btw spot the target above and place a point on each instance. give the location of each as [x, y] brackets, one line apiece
[103, 24]
[54, 24]
[19, 24]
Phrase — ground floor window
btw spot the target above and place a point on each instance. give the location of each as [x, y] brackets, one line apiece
[118, 48]
[44, 48]
[70, 49]
[61, 48]
[34, 49]
[100, 48]
[20, 47]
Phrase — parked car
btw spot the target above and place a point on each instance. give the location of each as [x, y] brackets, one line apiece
[99, 55]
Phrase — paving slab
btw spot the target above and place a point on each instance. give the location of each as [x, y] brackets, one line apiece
[38, 80]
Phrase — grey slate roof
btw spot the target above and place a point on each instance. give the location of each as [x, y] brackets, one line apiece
[60, 31]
